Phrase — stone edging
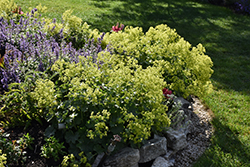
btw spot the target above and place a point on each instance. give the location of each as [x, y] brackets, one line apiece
[179, 146]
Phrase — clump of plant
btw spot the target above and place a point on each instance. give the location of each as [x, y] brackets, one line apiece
[9, 10]
[52, 148]
[17, 107]
[2, 159]
[73, 29]
[28, 49]
[14, 150]
[70, 161]
[174, 113]
[187, 70]
[97, 98]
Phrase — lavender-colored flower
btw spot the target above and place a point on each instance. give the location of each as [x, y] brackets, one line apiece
[34, 50]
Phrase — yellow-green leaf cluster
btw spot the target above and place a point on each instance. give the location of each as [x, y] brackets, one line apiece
[72, 27]
[108, 94]
[186, 69]
[2, 159]
[6, 8]
[44, 93]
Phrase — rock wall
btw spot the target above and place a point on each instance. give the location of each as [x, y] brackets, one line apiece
[179, 145]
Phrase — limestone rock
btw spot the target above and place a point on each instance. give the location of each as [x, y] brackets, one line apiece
[152, 149]
[161, 162]
[185, 105]
[183, 116]
[170, 153]
[98, 159]
[176, 139]
[127, 157]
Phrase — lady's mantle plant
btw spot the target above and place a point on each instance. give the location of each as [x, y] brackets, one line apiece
[187, 70]
[2, 159]
[97, 99]
[52, 148]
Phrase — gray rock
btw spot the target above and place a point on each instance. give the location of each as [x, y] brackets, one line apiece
[98, 159]
[161, 162]
[176, 139]
[185, 105]
[182, 121]
[153, 149]
[169, 154]
[182, 118]
[126, 157]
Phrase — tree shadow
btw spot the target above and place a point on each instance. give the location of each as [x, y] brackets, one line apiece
[227, 140]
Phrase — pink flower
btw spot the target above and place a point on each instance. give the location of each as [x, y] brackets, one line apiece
[117, 28]
[166, 92]
[18, 10]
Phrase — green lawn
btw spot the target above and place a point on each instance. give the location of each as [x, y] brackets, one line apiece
[226, 37]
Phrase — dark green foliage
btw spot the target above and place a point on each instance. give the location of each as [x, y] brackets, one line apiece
[52, 148]
[15, 149]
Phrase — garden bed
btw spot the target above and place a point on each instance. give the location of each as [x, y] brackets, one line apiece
[96, 84]
[198, 140]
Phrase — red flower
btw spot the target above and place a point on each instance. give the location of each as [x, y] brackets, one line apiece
[166, 92]
[117, 28]
[18, 10]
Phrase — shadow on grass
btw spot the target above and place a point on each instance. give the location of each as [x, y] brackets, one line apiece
[226, 149]
[224, 34]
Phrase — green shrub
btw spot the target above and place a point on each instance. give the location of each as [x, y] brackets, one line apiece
[18, 108]
[70, 161]
[187, 69]
[52, 148]
[101, 98]
[13, 150]
[6, 8]
[73, 28]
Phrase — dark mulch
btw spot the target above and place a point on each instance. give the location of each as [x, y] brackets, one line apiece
[34, 159]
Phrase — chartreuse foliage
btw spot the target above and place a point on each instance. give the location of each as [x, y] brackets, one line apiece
[6, 8]
[187, 69]
[73, 28]
[52, 148]
[2, 159]
[99, 98]
[18, 109]
[70, 161]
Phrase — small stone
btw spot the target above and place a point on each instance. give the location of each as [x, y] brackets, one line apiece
[161, 162]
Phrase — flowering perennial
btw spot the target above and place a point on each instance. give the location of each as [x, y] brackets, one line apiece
[18, 10]
[167, 93]
[26, 50]
[117, 28]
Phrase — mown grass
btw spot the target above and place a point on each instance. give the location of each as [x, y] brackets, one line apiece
[226, 37]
